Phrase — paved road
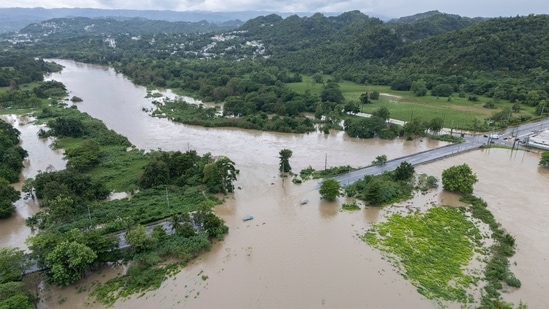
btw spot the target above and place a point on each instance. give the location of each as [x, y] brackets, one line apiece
[471, 142]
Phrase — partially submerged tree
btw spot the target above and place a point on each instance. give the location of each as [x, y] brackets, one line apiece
[12, 264]
[285, 155]
[220, 175]
[380, 160]
[459, 178]
[8, 195]
[329, 190]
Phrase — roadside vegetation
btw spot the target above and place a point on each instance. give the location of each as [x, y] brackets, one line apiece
[311, 173]
[389, 187]
[544, 160]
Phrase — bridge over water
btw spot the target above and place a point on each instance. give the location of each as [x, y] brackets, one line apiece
[472, 142]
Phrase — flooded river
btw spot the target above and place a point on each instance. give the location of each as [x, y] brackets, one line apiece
[292, 255]
[13, 231]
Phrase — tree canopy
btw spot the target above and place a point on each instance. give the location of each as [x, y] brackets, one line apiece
[459, 178]
[329, 190]
[285, 155]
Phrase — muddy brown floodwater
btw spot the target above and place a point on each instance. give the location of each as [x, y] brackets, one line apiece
[293, 255]
[515, 189]
[13, 231]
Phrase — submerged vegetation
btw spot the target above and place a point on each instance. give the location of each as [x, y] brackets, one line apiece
[432, 249]
[435, 250]
[497, 273]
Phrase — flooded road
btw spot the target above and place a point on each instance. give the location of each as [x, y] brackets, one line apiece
[292, 255]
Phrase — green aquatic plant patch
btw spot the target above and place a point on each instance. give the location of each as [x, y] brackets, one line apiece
[432, 249]
[136, 280]
[350, 206]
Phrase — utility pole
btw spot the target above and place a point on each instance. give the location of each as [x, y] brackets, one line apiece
[349, 176]
[89, 216]
[167, 197]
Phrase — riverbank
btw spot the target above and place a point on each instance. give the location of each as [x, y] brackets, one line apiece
[290, 254]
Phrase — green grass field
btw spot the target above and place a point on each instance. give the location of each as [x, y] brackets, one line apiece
[404, 105]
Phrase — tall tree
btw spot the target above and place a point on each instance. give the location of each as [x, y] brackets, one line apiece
[220, 175]
[139, 240]
[285, 155]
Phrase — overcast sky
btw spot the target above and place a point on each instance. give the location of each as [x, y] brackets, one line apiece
[389, 8]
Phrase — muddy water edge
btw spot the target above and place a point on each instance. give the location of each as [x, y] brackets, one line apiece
[13, 231]
[291, 255]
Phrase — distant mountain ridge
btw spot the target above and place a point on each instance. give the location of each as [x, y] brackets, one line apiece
[78, 26]
[14, 19]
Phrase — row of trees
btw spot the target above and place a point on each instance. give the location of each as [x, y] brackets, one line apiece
[11, 164]
[396, 185]
[187, 113]
[378, 126]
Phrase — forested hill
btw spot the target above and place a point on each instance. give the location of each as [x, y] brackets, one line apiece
[80, 26]
[423, 25]
[513, 45]
[343, 28]
[433, 47]
[14, 19]
[296, 33]
[429, 43]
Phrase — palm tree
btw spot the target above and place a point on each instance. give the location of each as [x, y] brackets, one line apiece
[285, 155]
